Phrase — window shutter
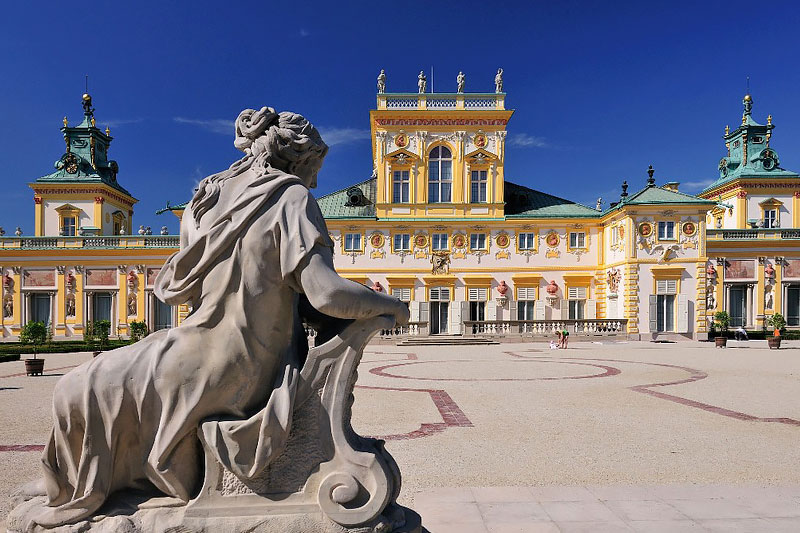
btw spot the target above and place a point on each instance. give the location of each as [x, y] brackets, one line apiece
[444, 294]
[576, 293]
[564, 309]
[424, 308]
[653, 309]
[666, 286]
[526, 293]
[433, 293]
[491, 311]
[682, 318]
[413, 307]
[591, 309]
[538, 311]
[456, 312]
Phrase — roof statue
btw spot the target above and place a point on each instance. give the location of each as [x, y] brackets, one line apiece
[422, 82]
[498, 81]
[382, 82]
[460, 82]
[199, 427]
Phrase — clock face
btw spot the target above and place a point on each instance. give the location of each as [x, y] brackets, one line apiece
[71, 163]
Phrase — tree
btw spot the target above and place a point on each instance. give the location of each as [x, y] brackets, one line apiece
[138, 330]
[34, 333]
[777, 322]
[722, 319]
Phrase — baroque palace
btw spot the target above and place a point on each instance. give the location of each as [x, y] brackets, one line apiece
[440, 226]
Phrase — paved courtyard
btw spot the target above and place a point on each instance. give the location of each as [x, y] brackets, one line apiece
[519, 438]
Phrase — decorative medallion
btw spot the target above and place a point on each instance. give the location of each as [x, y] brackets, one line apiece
[689, 228]
[552, 239]
[502, 240]
[480, 140]
[645, 229]
[401, 140]
[377, 240]
[459, 241]
[621, 232]
[71, 163]
[420, 240]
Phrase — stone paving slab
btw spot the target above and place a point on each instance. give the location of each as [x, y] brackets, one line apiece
[652, 509]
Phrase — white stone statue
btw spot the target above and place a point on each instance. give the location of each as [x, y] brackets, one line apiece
[460, 79]
[382, 82]
[498, 81]
[233, 396]
[422, 82]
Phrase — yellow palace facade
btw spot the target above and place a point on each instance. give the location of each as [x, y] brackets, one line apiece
[441, 226]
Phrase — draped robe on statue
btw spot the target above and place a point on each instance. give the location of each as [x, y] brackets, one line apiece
[130, 418]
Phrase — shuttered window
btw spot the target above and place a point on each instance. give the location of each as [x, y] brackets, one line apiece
[576, 293]
[526, 293]
[439, 294]
[403, 294]
[666, 286]
[477, 294]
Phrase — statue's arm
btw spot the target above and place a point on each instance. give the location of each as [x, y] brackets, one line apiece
[338, 297]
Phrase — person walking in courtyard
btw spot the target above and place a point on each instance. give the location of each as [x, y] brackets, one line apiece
[564, 338]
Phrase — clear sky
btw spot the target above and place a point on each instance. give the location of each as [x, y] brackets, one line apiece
[600, 89]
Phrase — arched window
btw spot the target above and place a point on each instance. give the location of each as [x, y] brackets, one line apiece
[440, 175]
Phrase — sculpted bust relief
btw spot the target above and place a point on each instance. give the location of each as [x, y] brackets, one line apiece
[253, 244]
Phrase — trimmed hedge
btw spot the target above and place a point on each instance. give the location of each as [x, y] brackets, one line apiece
[9, 357]
[8, 348]
[759, 335]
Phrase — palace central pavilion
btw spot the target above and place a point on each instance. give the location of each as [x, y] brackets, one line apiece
[440, 226]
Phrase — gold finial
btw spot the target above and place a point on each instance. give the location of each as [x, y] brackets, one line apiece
[748, 98]
[769, 120]
[744, 119]
[65, 120]
[108, 131]
[727, 129]
[93, 122]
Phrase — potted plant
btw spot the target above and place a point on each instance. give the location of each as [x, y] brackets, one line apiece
[722, 319]
[34, 333]
[777, 322]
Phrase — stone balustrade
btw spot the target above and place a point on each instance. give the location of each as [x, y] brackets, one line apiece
[90, 242]
[470, 101]
[768, 234]
[536, 328]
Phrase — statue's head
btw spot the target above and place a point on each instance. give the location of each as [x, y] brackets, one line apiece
[285, 141]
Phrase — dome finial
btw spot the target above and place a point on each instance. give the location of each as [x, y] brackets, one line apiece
[651, 182]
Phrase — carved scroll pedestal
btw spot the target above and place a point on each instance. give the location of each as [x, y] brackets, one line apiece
[327, 480]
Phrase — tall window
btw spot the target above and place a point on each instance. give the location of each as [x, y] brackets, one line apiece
[665, 304]
[770, 218]
[439, 241]
[527, 241]
[440, 175]
[477, 303]
[526, 299]
[352, 242]
[577, 240]
[69, 226]
[477, 241]
[403, 294]
[402, 242]
[478, 182]
[400, 187]
[666, 231]
[577, 302]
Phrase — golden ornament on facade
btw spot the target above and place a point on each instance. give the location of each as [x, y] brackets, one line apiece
[480, 140]
[420, 240]
[552, 239]
[459, 241]
[689, 228]
[401, 140]
[377, 240]
[502, 240]
[645, 229]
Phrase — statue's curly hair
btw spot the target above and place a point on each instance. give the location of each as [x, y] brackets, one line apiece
[271, 141]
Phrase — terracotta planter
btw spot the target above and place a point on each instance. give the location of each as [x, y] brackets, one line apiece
[721, 342]
[774, 343]
[34, 367]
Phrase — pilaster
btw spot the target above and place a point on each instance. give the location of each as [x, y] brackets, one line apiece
[701, 315]
[796, 209]
[741, 209]
[39, 216]
[59, 318]
[98, 213]
[761, 293]
[122, 301]
[632, 297]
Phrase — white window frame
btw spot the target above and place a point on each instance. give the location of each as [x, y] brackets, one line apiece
[526, 241]
[477, 294]
[770, 221]
[435, 179]
[402, 293]
[477, 241]
[479, 180]
[443, 239]
[439, 294]
[352, 242]
[404, 241]
[577, 240]
[401, 187]
[666, 230]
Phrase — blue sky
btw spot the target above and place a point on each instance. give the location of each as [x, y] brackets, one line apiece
[601, 89]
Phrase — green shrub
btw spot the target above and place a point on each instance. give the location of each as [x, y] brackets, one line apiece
[138, 330]
[777, 321]
[101, 329]
[35, 334]
[722, 319]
